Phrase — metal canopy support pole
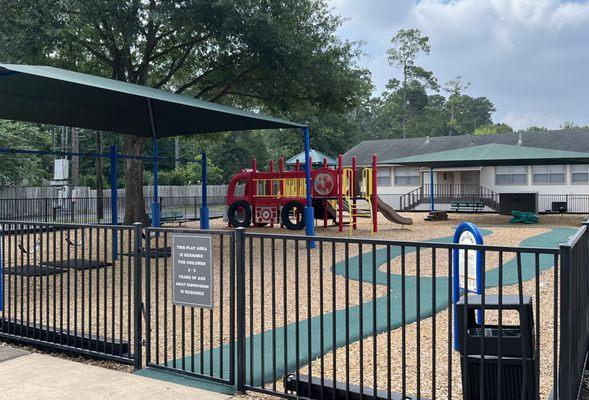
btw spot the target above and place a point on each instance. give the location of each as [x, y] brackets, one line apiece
[114, 197]
[204, 209]
[155, 205]
[309, 212]
[431, 188]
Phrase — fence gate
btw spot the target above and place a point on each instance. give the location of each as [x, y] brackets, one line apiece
[198, 341]
[71, 287]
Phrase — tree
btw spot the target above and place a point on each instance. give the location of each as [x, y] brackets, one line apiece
[571, 126]
[535, 128]
[408, 44]
[455, 87]
[492, 129]
[23, 169]
[256, 54]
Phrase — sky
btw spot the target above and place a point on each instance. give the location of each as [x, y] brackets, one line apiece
[529, 57]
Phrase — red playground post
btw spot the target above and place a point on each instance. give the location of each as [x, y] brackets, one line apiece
[281, 175]
[374, 194]
[325, 202]
[340, 192]
[269, 185]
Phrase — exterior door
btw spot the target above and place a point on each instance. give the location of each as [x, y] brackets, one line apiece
[470, 182]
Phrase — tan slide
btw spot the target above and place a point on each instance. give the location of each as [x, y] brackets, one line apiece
[389, 213]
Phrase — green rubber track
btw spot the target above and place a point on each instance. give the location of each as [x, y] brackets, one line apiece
[359, 318]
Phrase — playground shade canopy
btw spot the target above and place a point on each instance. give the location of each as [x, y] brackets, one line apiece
[56, 96]
[316, 157]
[493, 154]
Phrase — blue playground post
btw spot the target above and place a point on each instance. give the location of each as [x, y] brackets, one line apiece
[431, 188]
[114, 197]
[204, 209]
[309, 212]
[1, 272]
[478, 239]
[155, 205]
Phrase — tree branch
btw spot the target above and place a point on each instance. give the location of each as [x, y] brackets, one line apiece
[239, 78]
[176, 65]
[205, 74]
[179, 45]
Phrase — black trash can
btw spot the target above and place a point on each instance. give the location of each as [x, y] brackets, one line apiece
[479, 349]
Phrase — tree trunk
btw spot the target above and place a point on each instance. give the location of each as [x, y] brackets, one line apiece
[134, 201]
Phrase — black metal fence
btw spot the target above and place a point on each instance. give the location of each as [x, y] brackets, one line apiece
[362, 318]
[184, 339]
[85, 210]
[567, 203]
[352, 317]
[71, 287]
[574, 317]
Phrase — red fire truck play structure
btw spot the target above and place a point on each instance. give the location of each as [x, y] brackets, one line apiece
[279, 197]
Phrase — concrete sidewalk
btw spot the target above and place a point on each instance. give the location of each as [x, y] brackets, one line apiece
[26, 375]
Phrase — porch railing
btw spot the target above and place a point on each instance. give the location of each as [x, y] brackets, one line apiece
[446, 193]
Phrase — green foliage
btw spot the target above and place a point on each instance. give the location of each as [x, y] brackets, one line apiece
[187, 174]
[20, 169]
[535, 129]
[572, 126]
[238, 151]
[492, 129]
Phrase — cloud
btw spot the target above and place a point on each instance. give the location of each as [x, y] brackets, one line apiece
[524, 120]
[529, 57]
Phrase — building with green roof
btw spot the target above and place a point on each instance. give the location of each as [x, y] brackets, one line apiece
[469, 168]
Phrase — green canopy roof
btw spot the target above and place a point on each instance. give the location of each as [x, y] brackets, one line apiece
[60, 97]
[316, 157]
[491, 155]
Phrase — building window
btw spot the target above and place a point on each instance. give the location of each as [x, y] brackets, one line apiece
[580, 173]
[511, 175]
[548, 174]
[384, 176]
[405, 176]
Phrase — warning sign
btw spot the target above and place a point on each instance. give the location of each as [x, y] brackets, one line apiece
[192, 259]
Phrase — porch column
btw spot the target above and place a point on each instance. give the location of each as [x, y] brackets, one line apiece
[431, 188]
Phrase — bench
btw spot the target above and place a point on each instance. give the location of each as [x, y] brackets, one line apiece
[174, 216]
[468, 205]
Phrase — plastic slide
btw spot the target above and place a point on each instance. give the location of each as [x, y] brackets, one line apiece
[389, 213]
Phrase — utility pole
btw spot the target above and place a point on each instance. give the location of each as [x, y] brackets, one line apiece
[75, 159]
[177, 151]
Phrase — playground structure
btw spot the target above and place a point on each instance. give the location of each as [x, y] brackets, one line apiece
[279, 197]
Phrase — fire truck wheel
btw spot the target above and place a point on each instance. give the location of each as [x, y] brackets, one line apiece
[239, 214]
[292, 216]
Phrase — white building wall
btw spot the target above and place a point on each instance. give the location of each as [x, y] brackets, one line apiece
[392, 194]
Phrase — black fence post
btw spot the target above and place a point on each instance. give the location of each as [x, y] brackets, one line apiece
[137, 297]
[240, 308]
[564, 367]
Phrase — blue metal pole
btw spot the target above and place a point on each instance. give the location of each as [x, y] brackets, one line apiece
[114, 197]
[309, 212]
[1, 271]
[155, 205]
[431, 188]
[204, 209]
